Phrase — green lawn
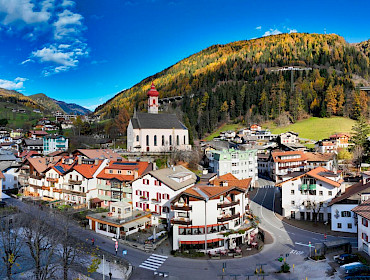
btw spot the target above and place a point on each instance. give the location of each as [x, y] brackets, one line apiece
[225, 127]
[17, 120]
[316, 128]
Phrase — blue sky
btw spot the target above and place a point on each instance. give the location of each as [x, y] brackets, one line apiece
[86, 51]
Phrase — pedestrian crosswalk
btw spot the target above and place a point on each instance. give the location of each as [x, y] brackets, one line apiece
[153, 262]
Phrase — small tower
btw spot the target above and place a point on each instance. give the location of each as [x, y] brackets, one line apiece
[153, 100]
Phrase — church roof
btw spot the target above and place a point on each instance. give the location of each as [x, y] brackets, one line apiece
[156, 121]
[153, 91]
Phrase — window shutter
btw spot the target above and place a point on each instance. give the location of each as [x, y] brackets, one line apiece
[144, 181]
[160, 211]
[137, 204]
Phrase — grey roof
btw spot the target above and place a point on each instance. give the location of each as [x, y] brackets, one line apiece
[33, 142]
[156, 121]
[164, 175]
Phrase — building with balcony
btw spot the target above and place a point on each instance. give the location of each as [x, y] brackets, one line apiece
[326, 146]
[114, 180]
[154, 191]
[242, 164]
[212, 214]
[288, 138]
[120, 221]
[306, 195]
[363, 232]
[153, 132]
[342, 140]
[54, 143]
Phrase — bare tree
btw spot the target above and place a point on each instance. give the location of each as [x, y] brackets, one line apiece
[11, 242]
[41, 242]
[358, 153]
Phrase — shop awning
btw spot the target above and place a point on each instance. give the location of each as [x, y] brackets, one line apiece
[201, 241]
[303, 187]
[312, 187]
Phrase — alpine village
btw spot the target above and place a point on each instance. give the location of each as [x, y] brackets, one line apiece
[248, 160]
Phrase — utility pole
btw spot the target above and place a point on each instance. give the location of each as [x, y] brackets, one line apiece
[291, 69]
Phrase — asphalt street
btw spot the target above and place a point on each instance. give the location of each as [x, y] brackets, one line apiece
[287, 240]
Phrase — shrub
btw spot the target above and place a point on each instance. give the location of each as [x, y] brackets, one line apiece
[285, 268]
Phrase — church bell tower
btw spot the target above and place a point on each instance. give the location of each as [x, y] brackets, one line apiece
[153, 100]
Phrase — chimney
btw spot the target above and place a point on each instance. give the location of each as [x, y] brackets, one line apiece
[79, 160]
[96, 161]
[63, 160]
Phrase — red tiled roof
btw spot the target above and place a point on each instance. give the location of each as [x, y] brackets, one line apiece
[153, 91]
[39, 132]
[40, 163]
[338, 135]
[87, 170]
[276, 156]
[315, 173]
[140, 166]
[98, 153]
[210, 191]
[319, 157]
[363, 209]
[226, 177]
[352, 190]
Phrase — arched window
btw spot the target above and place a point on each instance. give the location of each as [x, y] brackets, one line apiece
[154, 101]
[137, 138]
[170, 140]
[178, 140]
[162, 140]
[155, 140]
[147, 140]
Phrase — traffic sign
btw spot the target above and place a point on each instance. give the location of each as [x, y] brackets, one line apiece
[124, 252]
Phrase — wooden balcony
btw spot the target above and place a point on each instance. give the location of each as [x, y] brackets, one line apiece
[181, 221]
[74, 182]
[52, 180]
[181, 207]
[228, 218]
[74, 192]
[57, 190]
[154, 200]
[37, 177]
[228, 204]
[45, 188]
[144, 198]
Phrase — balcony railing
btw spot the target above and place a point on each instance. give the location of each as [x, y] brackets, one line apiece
[57, 190]
[37, 177]
[180, 207]
[228, 218]
[144, 198]
[154, 200]
[181, 221]
[52, 180]
[228, 204]
[45, 188]
[74, 182]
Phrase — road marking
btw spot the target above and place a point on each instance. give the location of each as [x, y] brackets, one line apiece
[299, 243]
[296, 252]
[153, 262]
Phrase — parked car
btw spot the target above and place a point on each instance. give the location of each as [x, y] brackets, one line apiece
[346, 258]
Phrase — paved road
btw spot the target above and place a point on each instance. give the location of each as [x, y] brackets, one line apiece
[285, 238]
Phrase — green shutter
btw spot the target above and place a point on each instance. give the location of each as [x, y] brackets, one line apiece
[312, 187]
[303, 187]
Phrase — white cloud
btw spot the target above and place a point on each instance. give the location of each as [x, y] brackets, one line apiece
[272, 32]
[12, 85]
[68, 24]
[26, 61]
[292, 30]
[68, 3]
[259, 27]
[24, 10]
[65, 56]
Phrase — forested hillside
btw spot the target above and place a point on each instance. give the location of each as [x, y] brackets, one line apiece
[235, 81]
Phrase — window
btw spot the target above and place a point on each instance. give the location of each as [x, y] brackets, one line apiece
[178, 140]
[184, 139]
[146, 181]
[339, 225]
[170, 140]
[346, 214]
[330, 193]
[166, 196]
[147, 140]
[293, 202]
[364, 222]
[364, 237]
[162, 140]
[155, 140]
[166, 209]
[111, 171]
[321, 193]
[291, 191]
[349, 225]
[119, 210]
[113, 209]
[137, 138]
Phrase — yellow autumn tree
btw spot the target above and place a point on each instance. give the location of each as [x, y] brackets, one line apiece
[331, 101]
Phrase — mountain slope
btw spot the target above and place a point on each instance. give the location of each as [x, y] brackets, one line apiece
[46, 102]
[15, 97]
[72, 108]
[226, 82]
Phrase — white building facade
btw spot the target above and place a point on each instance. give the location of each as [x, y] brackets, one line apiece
[363, 234]
[306, 196]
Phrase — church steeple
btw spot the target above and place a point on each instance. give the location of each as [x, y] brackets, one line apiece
[153, 100]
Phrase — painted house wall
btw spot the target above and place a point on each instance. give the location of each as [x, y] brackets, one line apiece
[11, 179]
[340, 223]
[288, 197]
[363, 245]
